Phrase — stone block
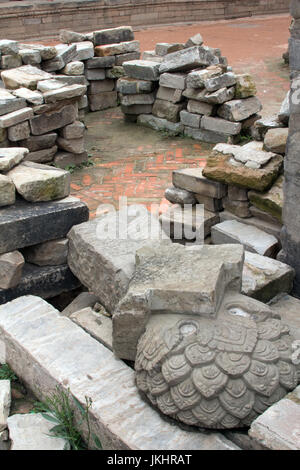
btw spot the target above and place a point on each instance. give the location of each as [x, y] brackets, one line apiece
[113, 35]
[253, 239]
[142, 69]
[117, 49]
[237, 194]
[192, 179]
[101, 62]
[288, 308]
[121, 58]
[30, 56]
[204, 135]
[65, 92]
[74, 68]
[166, 110]
[41, 156]
[71, 145]
[15, 117]
[190, 119]
[150, 55]
[179, 196]
[9, 103]
[71, 79]
[65, 54]
[10, 157]
[264, 224]
[211, 204]
[39, 142]
[84, 50]
[44, 123]
[47, 52]
[245, 86]
[10, 61]
[115, 72]
[51, 253]
[169, 94]
[276, 140]
[173, 80]
[97, 325]
[131, 86]
[197, 78]
[220, 125]
[18, 132]
[7, 191]
[238, 110]
[99, 86]
[95, 74]
[5, 402]
[107, 99]
[270, 201]
[159, 124]
[188, 59]
[164, 48]
[8, 46]
[137, 109]
[238, 208]
[222, 81]
[67, 37]
[26, 76]
[73, 131]
[11, 265]
[32, 97]
[195, 40]
[140, 98]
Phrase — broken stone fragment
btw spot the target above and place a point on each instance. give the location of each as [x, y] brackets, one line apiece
[5, 401]
[173, 80]
[197, 107]
[222, 81]
[196, 79]
[73, 131]
[10, 61]
[11, 265]
[193, 180]
[140, 98]
[131, 86]
[30, 56]
[169, 94]
[47, 52]
[26, 76]
[32, 97]
[284, 113]
[9, 103]
[10, 157]
[41, 124]
[164, 48]
[65, 54]
[41, 156]
[37, 182]
[188, 59]
[7, 191]
[71, 145]
[150, 55]
[245, 86]
[220, 125]
[251, 155]
[84, 50]
[39, 142]
[67, 37]
[238, 110]
[195, 40]
[190, 119]
[74, 68]
[51, 253]
[167, 110]
[8, 46]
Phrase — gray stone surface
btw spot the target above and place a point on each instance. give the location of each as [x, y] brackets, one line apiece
[67, 352]
[33, 432]
[140, 98]
[5, 401]
[98, 86]
[131, 86]
[278, 428]
[188, 59]
[74, 68]
[253, 239]
[113, 35]
[9, 103]
[117, 48]
[107, 99]
[10, 61]
[238, 110]
[26, 76]
[142, 69]
[173, 80]
[179, 196]
[101, 62]
[18, 132]
[26, 224]
[169, 94]
[284, 112]
[196, 79]
[210, 203]
[32, 97]
[81, 302]
[41, 156]
[63, 93]
[238, 208]
[30, 56]
[7, 191]
[190, 119]
[47, 52]
[36, 183]
[237, 194]
[11, 119]
[84, 50]
[205, 136]
[288, 308]
[164, 48]
[215, 83]
[44, 123]
[7, 46]
[137, 109]
[51, 253]
[262, 223]
[159, 124]
[162, 284]
[192, 179]
[199, 107]
[67, 37]
[96, 324]
[73, 131]
[121, 58]
[167, 110]
[10, 157]
[104, 262]
[65, 54]
[195, 40]
[11, 265]
[265, 278]
[276, 140]
[71, 145]
[220, 125]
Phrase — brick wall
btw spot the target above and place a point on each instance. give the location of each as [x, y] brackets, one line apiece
[29, 20]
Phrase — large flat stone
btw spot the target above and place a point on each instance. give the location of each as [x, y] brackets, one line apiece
[142, 69]
[272, 227]
[26, 76]
[253, 239]
[188, 59]
[12, 156]
[238, 110]
[278, 428]
[96, 324]
[63, 93]
[164, 282]
[25, 224]
[37, 183]
[10, 103]
[113, 35]
[5, 401]
[192, 180]
[65, 54]
[33, 329]
[44, 123]
[44, 281]
[220, 125]
[159, 124]
[33, 432]
[105, 265]
[265, 278]
[11, 119]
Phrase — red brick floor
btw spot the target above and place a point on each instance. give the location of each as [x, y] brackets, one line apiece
[137, 162]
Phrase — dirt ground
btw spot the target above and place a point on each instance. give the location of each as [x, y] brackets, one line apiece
[137, 162]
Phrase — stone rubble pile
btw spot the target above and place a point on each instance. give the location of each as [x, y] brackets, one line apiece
[188, 89]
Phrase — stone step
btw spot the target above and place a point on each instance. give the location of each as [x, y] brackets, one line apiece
[25, 224]
[288, 308]
[47, 350]
[253, 239]
[45, 281]
[278, 428]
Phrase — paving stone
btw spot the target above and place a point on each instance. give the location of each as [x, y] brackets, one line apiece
[120, 428]
[9, 103]
[15, 117]
[74, 68]
[33, 432]
[101, 62]
[142, 69]
[47, 52]
[262, 223]
[113, 35]
[51, 253]
[39, 142]
[238, 110]
[32, 97]
[196, 78]
[11, 61]
[265, 278]
[195, 40]
[18, 132]
[44, 281]
[131, 86]
[166, 110]
[7, 191]
[222, 81]
[73, 131]
[270, 201]
[138, 109]
[170, 291]
[30, 56]
[10, 157]
[276, 140]
[164, 48]
[159, 124]
[8, 46]
[95, 74]
[220, 125]
[81, 302]
[192, 179]
[278, 428]
[116, 49]
[26, 76]
[98, 326]
[253, 239]
[140, 98]
[48, 122]
[245, 86]
[67, 37]
[36, 183]
[41, 156]
[173, 80]
[121, 58]
[288, 308]
[107, 99]
[179, 196]
[239, 208]
[169, 94]
[11, 265]
[66, 92]
[188, 59]
[190, 119]
[65, 159]
[107, 272]
[197, 107]
[84, 50]
[5, 402]
[65, 54]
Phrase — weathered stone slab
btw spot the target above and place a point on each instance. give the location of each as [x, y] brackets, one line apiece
[67, 352]
[63, 93]
[166, 110]
[5, 401]
[9, 103]
[47, 52]
[288, 308]
[74, 68]
[44, 281]
[97, 325]
[44, 123]
[65, 54]
[38, 183]
[169, 290]
[265, 278]
[11, 119]
[211, 204]
[113, 35]
[41, 156]
[253, 239]
[116, 49]
[39, 142]
[270, 201]
[196, 79]
[73, 131]
[84, 50]
[159, 124]
[101, 62]
[188, 59]
[142, 69]
[32, 97]
[245, 86]
[10, 157]
[7, 191]
[95, 74]
[115, 72]
[107, 99]
[192, 179]
[105, 263]
[67, 37]
[140, 98]
[18, 132]
[150, 55]
[179, 196]
[205, 136]
[33, 432]
[221, 81]
[8, 46]
[198, 107]
[190, 119]
[276, 140]
[164, 48]
[30, 56]
[278, 427]
[71, 145]
[173, 80]
[11, 61]
[51, 253]
[220, 125]
[169, 94]
[238, 110]
[131, 86]
[26, 76]
[11, 265]
[262, 223]
[26, 224]
[99, 86]
[195, 40]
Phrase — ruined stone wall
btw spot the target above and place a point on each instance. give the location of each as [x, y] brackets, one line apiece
[27, 20]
